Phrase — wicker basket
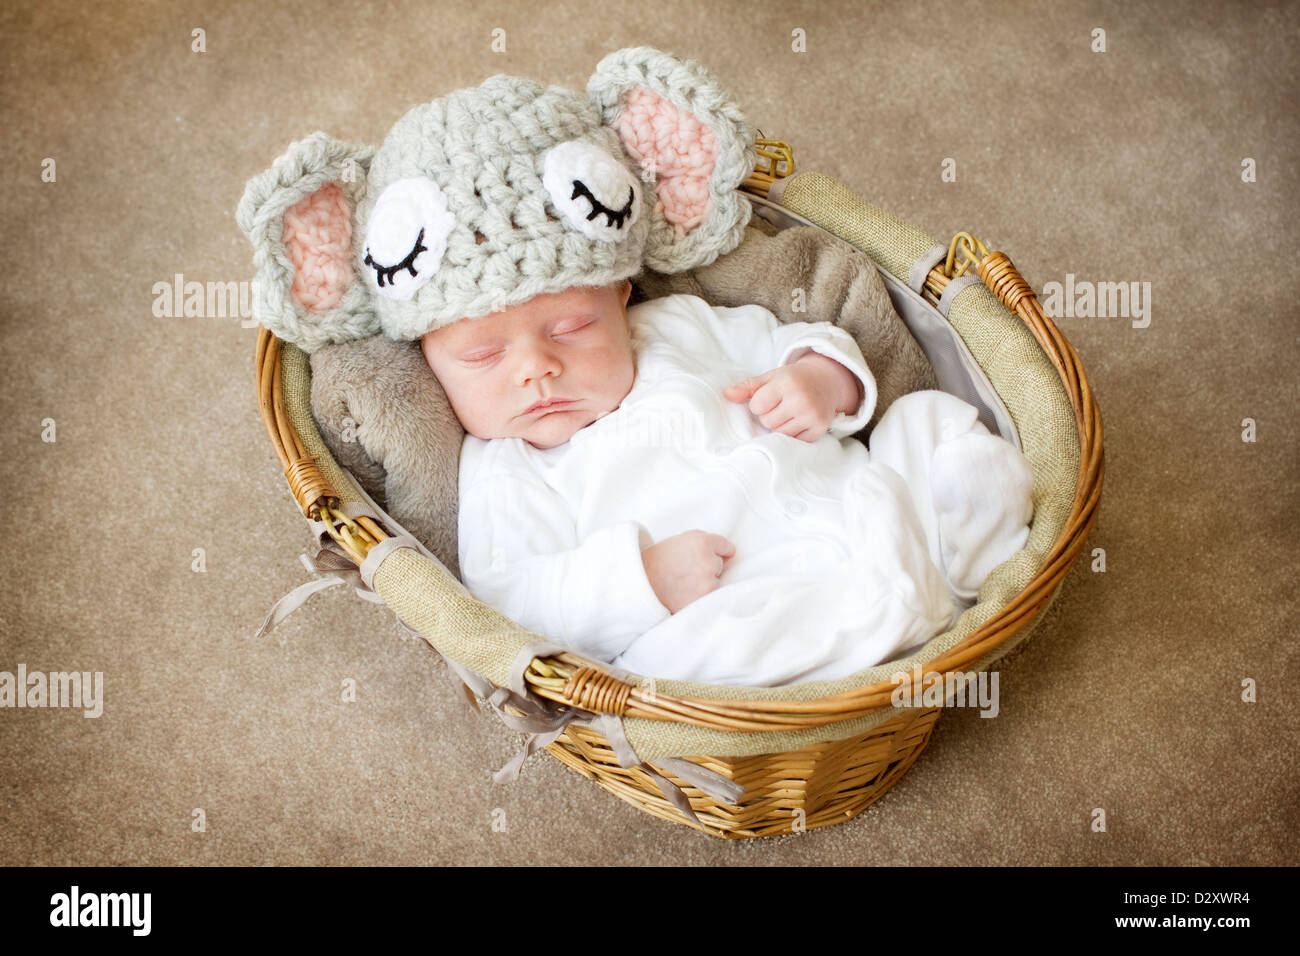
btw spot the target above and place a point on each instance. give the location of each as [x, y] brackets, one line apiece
[817, 785]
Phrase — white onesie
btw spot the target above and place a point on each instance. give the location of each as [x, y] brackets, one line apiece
[844, 558]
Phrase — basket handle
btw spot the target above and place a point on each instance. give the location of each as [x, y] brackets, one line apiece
[316, 497]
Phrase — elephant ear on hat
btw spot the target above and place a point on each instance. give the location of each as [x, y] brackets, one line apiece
[299, 216]
[693, 143]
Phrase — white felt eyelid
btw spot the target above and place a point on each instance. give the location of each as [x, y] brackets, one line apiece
[595, 193]
[406, 237]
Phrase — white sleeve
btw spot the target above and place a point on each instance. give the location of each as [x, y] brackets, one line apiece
[520, 554]
[752, 337]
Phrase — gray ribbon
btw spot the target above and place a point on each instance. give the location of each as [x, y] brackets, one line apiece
[337, 568]
[951, 290]
[329, 559]
[544, 731]
[720, 788]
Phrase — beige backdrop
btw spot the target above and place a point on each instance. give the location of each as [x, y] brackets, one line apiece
[1123, 165]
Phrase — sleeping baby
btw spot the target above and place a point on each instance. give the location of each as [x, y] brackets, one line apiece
[671, 488]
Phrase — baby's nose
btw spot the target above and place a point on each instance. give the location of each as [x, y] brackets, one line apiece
[536, 364]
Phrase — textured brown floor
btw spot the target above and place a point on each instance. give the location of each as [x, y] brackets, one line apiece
[1122, 166]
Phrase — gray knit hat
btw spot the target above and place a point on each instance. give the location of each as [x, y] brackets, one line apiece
[492, 195]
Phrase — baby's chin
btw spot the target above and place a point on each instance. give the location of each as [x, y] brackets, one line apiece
[557, 427]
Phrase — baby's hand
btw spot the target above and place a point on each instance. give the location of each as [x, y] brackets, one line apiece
[686, 566]
[800, 399]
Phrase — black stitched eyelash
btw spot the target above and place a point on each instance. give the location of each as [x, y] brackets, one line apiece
[612, 217]
[408, 263]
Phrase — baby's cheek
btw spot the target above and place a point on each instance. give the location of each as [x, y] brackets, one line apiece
[625, 375]
[470, 405]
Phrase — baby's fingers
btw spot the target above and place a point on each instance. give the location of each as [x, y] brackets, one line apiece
[765, 400]
[721, 546]
[802, 429]
[793, 406]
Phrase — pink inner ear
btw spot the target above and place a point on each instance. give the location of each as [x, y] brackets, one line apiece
[678, 148]
[318, 237]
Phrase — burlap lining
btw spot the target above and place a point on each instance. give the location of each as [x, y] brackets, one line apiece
[430, 600]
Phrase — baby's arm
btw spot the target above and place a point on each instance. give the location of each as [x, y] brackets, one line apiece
[519, 553]
[802, 398]
[812, 375]
[840, 284]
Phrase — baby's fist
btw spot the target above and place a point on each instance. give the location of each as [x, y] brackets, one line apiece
[686, 566]
[802, 398]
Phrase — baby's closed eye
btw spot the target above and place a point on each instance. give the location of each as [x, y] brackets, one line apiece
[485, 356]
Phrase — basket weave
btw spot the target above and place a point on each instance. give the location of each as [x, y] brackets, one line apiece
[817, 785]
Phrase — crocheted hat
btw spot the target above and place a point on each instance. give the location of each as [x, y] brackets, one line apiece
[492, 195]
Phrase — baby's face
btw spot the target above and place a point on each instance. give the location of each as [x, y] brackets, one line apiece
[573, 346]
